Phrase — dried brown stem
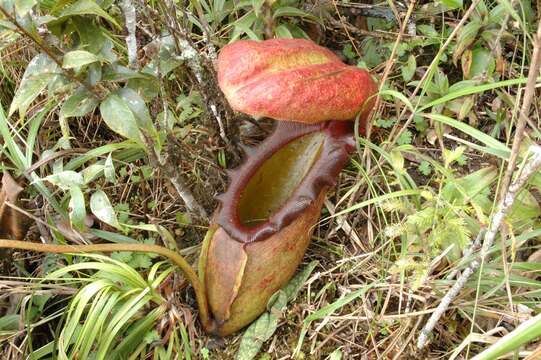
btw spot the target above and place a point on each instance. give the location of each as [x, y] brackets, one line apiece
[174, 257]
[524, 111]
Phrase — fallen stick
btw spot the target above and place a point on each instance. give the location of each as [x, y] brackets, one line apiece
[531, 167]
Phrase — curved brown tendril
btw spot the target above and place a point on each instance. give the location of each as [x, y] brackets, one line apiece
[177, 259]
[338, 142]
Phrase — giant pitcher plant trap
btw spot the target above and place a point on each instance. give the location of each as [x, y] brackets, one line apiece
[262, 228]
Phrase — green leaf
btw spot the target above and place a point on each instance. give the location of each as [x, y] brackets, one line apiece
[385, 123]
[408, 70]
[428, 30]
[80, 103]
[425, 168]
[493, 145]
[9, 322]
[77, 209]
[524, 333]
[482, 62]
[140, 261]
[393, 93]
[102, 209]
[336, 355]
[466, 37]
[138, 107]
[525, 209]
[90, 34]
[378, 200]
[109, 169]
[91, 172]
[37, 75]
[243, 26]
[397, 160]
[113, 237]
[88, 7]
[77, 58]
[122, 256]
[459, 91]
[118, 116]
[348, 52]
[291, 11]
[254, 337]
[450, 156]
[65, 179]
[462, 190]
[295, 284]
[256, 5]
[453, 4]
[22, 7]
[283, 32]
[405, 138]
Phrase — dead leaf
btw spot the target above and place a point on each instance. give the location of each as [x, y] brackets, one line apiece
[69, 233]
[11, 221]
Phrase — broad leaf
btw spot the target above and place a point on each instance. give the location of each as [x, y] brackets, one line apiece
[118, 116]
[109, 169]
[80, 103]
[65, 179]
[87, 7]
[101, 207]
[408, 69]
[138, 107]
[37, 75]
[91, 172]
[482, 62]
[77, 209]
[283, 32]
[77, 58]
[466, 37]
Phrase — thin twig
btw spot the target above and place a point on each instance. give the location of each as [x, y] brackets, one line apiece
[531, 167]
[474, 247]
[524, 111]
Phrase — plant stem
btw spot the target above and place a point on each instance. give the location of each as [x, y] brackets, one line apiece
[524, 111]
[174, 257]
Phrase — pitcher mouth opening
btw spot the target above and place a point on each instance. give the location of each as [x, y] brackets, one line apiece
[282, 177]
